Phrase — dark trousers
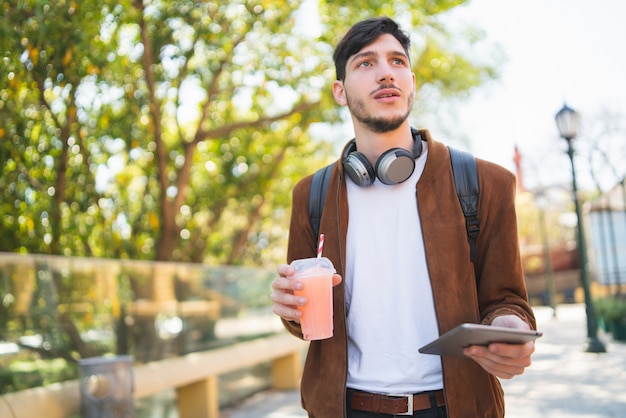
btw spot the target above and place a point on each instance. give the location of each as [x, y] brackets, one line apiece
[433, 412]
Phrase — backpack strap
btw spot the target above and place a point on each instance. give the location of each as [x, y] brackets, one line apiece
[466, 182]
[317, 196]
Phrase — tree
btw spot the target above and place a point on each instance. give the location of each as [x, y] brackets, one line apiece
[603, 137]
[49, 198]
[240, 68]
[185, 123]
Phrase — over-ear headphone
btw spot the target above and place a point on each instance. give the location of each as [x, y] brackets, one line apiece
[393, 166]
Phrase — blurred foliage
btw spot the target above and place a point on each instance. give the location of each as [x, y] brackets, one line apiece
[175, 130]
[539, 220]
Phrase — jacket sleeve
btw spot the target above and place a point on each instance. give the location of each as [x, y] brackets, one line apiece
[301, 242]
[501, 285]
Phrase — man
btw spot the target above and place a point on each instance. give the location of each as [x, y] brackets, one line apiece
[400, 246]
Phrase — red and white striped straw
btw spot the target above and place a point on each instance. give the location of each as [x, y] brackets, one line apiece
[320, 246]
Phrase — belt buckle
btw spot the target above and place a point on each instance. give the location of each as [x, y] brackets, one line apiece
[409, 402]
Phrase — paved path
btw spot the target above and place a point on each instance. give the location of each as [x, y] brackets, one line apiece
[563, 382]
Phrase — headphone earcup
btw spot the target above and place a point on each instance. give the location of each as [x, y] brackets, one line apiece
[359, 169]
[395, 166]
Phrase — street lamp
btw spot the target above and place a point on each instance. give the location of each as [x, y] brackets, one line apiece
[567, 121]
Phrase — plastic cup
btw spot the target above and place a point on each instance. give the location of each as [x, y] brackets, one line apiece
[316, 275]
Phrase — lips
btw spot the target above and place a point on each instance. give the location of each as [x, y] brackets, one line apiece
[386, 93]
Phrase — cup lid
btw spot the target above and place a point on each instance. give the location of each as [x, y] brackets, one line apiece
[307, 263]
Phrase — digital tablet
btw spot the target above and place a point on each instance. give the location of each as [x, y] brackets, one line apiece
[454, 341]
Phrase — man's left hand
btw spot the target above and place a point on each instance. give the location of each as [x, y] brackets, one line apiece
[500, 359]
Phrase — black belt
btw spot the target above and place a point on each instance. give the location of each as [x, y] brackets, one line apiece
[396, 404]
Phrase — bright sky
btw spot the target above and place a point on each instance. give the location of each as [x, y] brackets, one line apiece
[558, 50]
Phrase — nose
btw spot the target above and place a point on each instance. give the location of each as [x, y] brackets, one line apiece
[386, 75]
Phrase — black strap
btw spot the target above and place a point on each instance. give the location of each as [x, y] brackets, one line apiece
[466, 182]
[317, 196]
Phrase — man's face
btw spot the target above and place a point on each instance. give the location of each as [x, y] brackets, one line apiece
[379, 86]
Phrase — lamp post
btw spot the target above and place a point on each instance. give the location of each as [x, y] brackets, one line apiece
[567, 122]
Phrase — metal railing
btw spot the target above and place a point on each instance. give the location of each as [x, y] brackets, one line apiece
[194, 376]
[183, 325]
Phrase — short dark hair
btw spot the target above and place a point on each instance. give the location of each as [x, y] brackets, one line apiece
[362, 34]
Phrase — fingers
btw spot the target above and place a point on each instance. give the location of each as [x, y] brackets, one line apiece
[510, 321]
[285, 270]
[513, 351]
[285, 303]
[503, 371]
[336, 279]
[502, 360]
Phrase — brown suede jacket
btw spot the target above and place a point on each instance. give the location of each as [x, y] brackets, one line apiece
[497, 288]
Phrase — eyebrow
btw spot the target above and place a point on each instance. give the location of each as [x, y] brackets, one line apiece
[373, 54]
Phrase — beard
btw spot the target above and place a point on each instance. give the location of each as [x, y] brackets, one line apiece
[377, 124]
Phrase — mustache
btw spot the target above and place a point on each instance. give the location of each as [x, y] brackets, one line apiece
[386, 86]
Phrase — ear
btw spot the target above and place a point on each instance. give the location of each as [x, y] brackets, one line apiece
[339, 93]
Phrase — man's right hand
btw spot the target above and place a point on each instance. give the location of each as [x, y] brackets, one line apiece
[285, 303]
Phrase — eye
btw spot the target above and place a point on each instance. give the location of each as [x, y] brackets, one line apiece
[364, 64]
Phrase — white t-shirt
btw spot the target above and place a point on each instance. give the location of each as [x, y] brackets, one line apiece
[390, 309]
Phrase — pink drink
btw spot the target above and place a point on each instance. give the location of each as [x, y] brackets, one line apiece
[317, 315]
